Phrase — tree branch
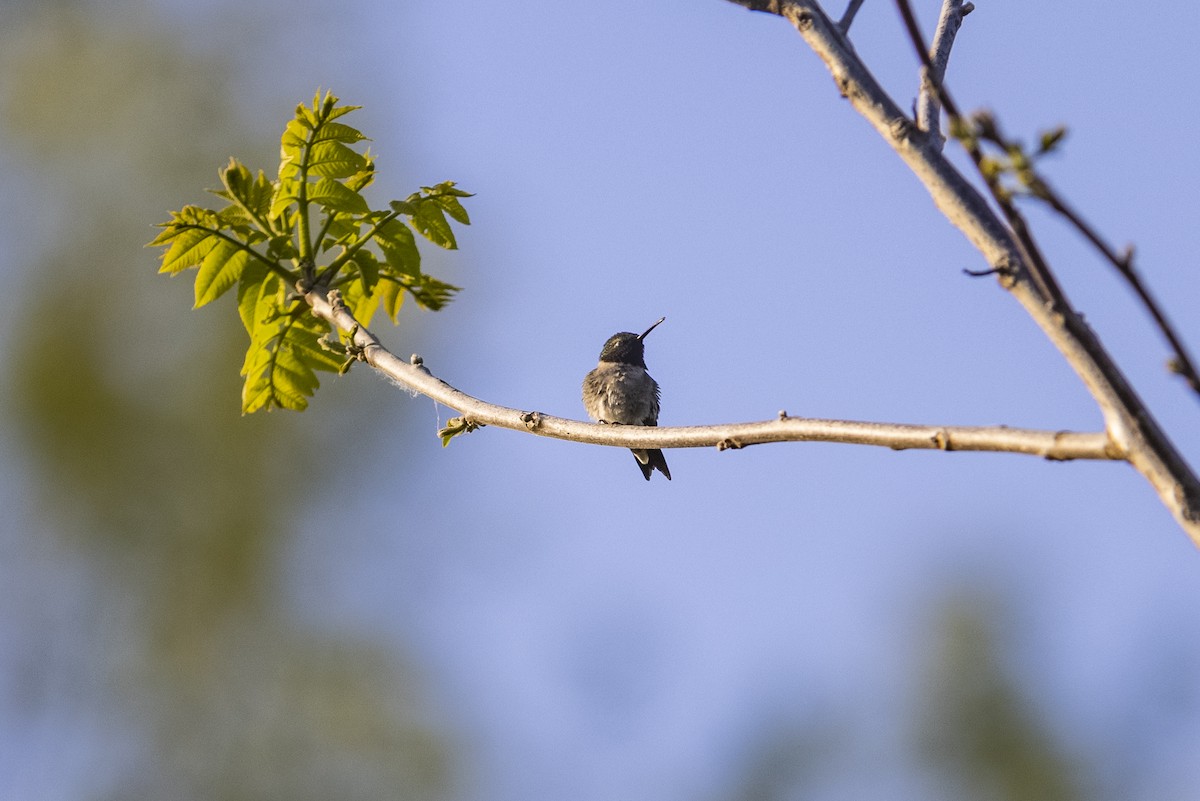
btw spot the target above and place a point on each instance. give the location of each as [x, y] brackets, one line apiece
[929, 106]
[848, 18]
[1054, 445]
[1128, 422]
[1181, 363]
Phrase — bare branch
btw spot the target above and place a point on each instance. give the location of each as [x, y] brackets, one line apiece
[929, 107]
[848, 18]
[1054, 445]
[1181, 363]
[1030, 255]
[1009, 250]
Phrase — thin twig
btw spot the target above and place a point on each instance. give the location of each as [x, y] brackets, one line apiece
[848, 18]
[929, 108]
[1036, 263]
[1181, 363]
[1127, 419]
[414, 375]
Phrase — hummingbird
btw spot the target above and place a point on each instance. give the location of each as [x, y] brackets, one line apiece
[620, 392]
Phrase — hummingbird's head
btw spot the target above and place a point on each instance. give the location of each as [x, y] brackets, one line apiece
[627, 348]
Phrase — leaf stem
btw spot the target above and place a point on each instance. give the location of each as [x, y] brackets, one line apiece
[273, 266]
[348, 252]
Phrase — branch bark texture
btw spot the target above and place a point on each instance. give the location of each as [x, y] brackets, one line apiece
[1134, 434]
[1054, 445]
[929, 105]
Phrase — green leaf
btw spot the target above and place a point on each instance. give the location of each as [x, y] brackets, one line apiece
[446, 188]
[250, 287]
[399, 247]
[343, 230]
[286, 192]
[367, 266]
[221, 269]
[363, 178]
[281, 247]
[431, 223]
[392, 296]
[189, 249]
[340, 111]
[334, 160]
[332, 195]
[339, 132]
[170, 231]
[259, 305]
[292, 145]
[252, 193]
[307, 116]
[457, 426]
[451, 206]
[1051, 139]
[361, 302]
[279, 367]
[404, 206]
[428, 292]
[990, 167]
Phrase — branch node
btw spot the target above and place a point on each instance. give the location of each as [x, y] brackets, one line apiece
[783, 415]
[900, 128]
[1125, 261]
[532, 420]
[848, 18]
[354, 351]
[415, 360]
[729, 444]
[844, 84]
[1054, 455]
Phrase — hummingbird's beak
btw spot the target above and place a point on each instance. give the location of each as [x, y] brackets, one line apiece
[651, 328]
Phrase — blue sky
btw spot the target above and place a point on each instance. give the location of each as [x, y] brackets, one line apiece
[592, 636]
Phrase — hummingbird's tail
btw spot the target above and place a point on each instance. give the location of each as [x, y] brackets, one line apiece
[647, 461]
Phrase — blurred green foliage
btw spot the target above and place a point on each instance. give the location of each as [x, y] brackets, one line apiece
[980, 730]
[174, 509]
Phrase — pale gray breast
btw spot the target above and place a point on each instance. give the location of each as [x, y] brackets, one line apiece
[621, 393]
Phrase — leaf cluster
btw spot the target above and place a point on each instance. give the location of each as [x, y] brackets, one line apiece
[311, 226]
[1007, 164]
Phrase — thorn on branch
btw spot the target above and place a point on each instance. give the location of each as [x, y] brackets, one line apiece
[991, 271]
